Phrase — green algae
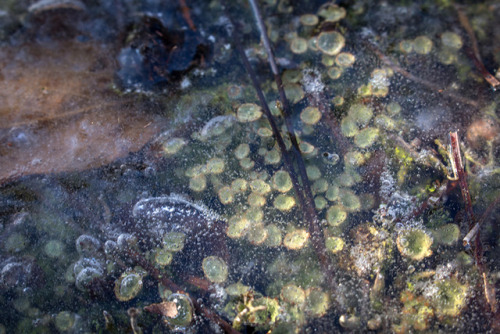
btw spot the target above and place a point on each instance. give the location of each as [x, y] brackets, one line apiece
[238, 164]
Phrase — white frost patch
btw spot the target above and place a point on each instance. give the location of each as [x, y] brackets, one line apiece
[216, 126]
[387, 184]
[185, 83]
[395, 203]
[166, 204]
[364, 260]
[379, 80]
[311, 81]
[219, 294]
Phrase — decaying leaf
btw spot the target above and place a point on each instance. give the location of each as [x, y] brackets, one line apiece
[167, 309]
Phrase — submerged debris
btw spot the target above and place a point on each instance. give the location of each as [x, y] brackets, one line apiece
[46, 5]
[321, 204]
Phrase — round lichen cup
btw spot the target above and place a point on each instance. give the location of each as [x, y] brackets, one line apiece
[310, 115]
[334, 244]
[293, 294]
[336, 215]
[215, 269]
[414, 244]
[128, 285]
[296, 239]
[282, 181]
[330, 42]
[248, 112]
[284, 203]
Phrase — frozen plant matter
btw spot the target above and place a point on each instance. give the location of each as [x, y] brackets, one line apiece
[287, 175]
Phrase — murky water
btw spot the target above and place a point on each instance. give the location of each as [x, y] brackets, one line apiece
[144, 188]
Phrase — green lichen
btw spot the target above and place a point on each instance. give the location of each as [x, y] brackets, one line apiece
[215, 269]
[450, 297]
[414, 244]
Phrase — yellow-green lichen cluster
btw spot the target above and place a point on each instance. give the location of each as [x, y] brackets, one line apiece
[173, 145]
[296, 239]
[334, 244]
[414, 244]
[358, 148]
[450, 297]
[284, 202]
[336, 215]
[259, 203]
[331, 12]
[317, 302]
[421, 45]
[65, 321]
[129, 284]
[310, 115]
[215, 269]
[163, 257]
[330, 42]
[248, 112]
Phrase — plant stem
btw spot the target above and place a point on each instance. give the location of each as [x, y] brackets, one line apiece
[304, 189]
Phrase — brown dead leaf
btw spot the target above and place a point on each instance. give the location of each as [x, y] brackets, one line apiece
[59, 113]
[168, 309]
[489, 293]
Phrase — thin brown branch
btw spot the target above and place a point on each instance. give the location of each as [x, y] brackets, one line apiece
[310, 213]
[343, 144]
[427, 84]
[186, 14]
[462, 177]
[489, 293]
[274, 127]
[473, 232]
[475, 54]
[198, 282]
[199, 308]
[305, 201]
[489, 290]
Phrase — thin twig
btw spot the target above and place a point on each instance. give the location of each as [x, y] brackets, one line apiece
[199, 308]
[462, 177]
[276, 133]
[305, 202]
[473, 232]
[427, 84]
[475, 55]
[489, 290]
[186, 14]
[310, 214]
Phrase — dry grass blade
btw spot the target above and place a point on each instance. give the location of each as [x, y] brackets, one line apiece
[475, 55]
[489, 293]
[427, 84]
[186, 13]
[303, 190]
[456, 157]
[489, 290]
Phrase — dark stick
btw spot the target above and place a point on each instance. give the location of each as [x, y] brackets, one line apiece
[473, 232]
[475, 55]
[310, 214]
[464, 188]
[306, 203]
[274, 127]
[462, 177]
[186, 14]
[489, 290]
[427, 84]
